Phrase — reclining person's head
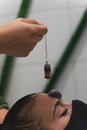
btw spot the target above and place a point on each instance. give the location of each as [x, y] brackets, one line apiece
[42, 111]
[38, 112]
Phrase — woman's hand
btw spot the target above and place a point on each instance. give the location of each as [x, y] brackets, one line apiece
[19, 37]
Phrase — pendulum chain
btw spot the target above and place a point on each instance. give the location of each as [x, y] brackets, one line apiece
[47, 67]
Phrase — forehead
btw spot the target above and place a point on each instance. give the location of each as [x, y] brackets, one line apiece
[44, 100]
[44, 106]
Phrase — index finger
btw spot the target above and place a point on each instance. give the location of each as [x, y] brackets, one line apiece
[32, 21]
[41, 29]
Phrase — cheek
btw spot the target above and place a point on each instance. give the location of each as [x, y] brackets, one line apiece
[59, 124]
[62, 122]
[46, 116]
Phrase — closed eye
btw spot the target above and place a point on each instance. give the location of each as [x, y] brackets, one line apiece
[64, 113]
[55, 107]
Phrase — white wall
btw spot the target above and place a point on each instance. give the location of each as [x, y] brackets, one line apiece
[61, 17]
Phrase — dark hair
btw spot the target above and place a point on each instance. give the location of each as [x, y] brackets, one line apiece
[0, 126]
[16, 118]
[22, 116]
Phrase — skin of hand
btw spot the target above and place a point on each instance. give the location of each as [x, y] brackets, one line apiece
[3, 113]
[19, 37]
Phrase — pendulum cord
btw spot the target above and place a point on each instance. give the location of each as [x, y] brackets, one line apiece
[47, 67]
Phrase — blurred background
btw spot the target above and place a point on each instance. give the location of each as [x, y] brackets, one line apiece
[62, 17]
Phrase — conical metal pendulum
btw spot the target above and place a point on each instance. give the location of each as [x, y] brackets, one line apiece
[47, 66]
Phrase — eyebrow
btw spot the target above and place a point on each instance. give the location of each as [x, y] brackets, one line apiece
[55, 106]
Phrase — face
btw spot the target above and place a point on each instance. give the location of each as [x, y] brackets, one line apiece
[52, 112]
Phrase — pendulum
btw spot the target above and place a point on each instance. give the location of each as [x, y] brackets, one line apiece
[47, 70]
[47, 66]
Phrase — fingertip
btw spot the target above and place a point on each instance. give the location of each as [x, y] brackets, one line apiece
[46, 29]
